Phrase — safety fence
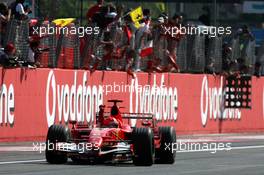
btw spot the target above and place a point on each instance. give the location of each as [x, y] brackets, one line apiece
[64, 50]
[17, 32]
[194, 53]
[48, 59]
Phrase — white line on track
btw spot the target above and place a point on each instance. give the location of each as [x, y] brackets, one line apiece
[17, 149]
[21, 161]
[247, 147]
[232, 148]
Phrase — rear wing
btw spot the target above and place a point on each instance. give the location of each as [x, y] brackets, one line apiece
[137, 116]
[146, 116]
[147, 119]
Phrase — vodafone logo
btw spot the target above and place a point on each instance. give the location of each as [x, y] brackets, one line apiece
[159, 100]
[7, 105]
[71, 101]
[212, 104]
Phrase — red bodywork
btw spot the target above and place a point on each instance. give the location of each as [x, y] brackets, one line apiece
[110, 130]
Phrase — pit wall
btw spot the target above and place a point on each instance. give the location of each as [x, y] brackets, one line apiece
[33, 99]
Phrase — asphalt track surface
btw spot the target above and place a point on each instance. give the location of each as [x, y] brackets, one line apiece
[245, 158]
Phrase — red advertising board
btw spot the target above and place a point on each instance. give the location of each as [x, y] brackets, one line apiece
[33, 99]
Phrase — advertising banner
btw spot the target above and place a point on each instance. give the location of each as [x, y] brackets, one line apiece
[31, 100]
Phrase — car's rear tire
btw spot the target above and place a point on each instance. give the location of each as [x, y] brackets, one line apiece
[56, 133]
[165, 154]
[144, 151]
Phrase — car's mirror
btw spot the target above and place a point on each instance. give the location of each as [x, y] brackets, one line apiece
[146, 123]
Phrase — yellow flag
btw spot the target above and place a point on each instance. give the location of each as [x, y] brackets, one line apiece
[63, 22]
[136, 16]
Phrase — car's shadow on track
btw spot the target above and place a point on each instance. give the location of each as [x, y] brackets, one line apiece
[92, 164]
[126, 164]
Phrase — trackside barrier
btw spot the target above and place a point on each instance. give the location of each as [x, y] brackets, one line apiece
[32, 100]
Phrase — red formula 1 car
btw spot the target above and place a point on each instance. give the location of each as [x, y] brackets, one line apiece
[111, 139]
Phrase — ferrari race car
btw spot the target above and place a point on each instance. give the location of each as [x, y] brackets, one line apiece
[111, 139]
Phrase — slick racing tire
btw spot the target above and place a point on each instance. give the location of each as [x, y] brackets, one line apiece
[165, 154]
[56, 133]
[144, 151]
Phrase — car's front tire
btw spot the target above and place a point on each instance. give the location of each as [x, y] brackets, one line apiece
[56, 133]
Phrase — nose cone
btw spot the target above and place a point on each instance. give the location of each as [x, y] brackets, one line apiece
[95, 141]
[96, 137]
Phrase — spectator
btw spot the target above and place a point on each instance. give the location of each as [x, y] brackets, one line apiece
[159, 42]
[4, 18]
[205, 18]
[4, 12]
[120, 13]
[210, 68]
[165, 16]
[34, 52]
[93, 10]
[105, 16]
[243, 68]
[142, 34]
[233, 68]
[257, 71]
[6, 54]
[131, 29]
[245, 37]
[173, 42]
[226, 55]
[19, 11]
[129, 40]
[244, 34]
